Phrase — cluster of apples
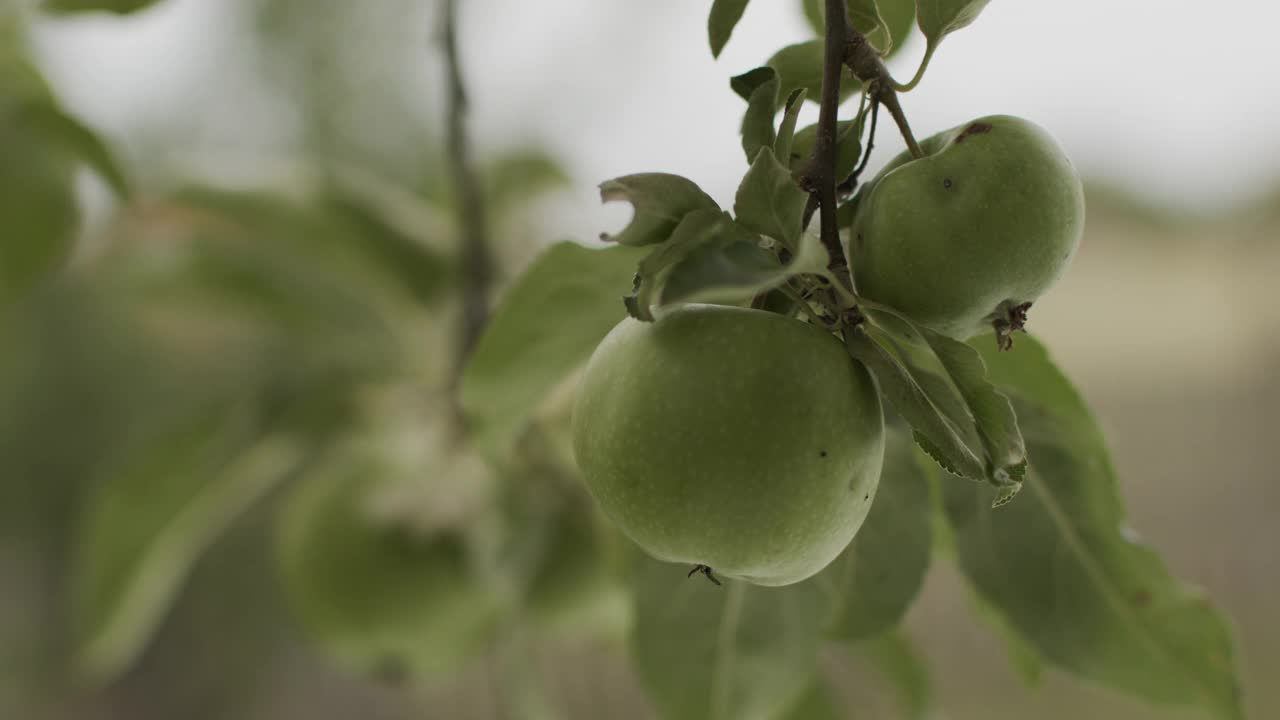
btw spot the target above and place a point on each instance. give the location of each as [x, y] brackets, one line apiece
[751, 443]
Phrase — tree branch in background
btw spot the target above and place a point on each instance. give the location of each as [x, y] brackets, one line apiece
[476, 261]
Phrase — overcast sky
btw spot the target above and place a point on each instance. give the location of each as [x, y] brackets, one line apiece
[1178, 99]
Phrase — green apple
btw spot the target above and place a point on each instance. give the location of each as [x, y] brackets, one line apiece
[982, 225]
[377, 594]
[736, 439]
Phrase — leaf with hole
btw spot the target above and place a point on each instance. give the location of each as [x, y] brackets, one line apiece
[661, 201]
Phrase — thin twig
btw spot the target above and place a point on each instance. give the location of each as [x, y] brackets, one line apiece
[851, 183]
[477, 264]
[871, 139]
[810, 207]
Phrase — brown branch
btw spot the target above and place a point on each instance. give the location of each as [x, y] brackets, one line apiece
[821, 180]
[865, 62]
[477, 264]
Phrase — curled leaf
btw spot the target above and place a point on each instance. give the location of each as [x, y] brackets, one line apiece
[661, 201]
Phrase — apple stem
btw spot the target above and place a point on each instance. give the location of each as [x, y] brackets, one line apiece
[477, 263]
[889, 98]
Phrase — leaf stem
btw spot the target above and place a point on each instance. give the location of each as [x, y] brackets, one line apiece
[851, 183]
[924, 65]
[477, 263]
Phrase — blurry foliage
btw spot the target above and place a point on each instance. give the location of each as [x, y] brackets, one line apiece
[230, 387]
[120, 7]
[212, 343]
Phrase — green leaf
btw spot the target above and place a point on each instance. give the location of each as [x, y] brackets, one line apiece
[696, 230]
[67, 133]
[1026, 661]
[38, 212]
[817, 703]
[397, 249]
[815, 11]
[787, 131]
[151, 521]
[770, 202]
[119, 7]
[875, 580]
[951, 442]
[520, 176]
[899, 18]
[761, 89]
[865, 15]
[738, 268]
[41, 146]
[660, 200]
[800, 66]
[1087, 596]
[939, 18]
[725, 15]
[298, 276]
[746, 83]
[381, 586]
[848, 148]
[548, 324]
[737, 652]
[903, 667]
[996, 424]
[975, 421]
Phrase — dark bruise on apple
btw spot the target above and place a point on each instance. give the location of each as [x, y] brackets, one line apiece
[968, 236]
